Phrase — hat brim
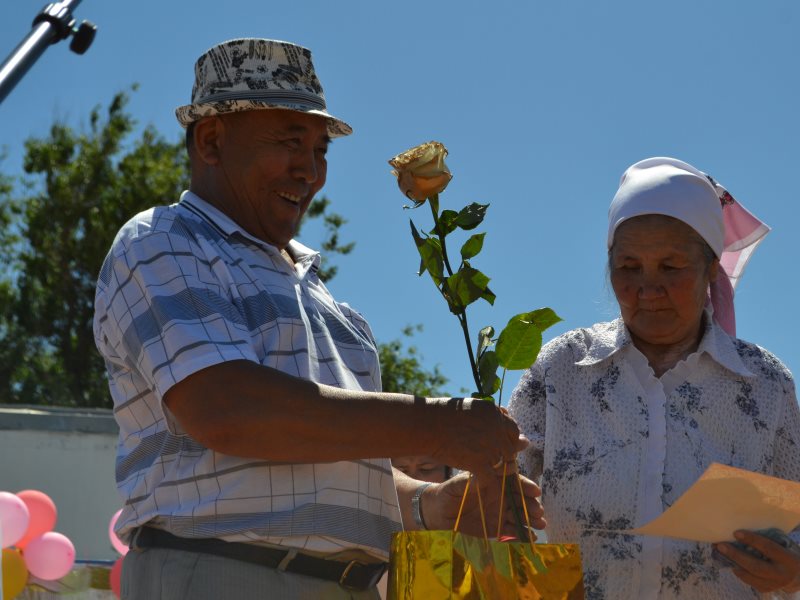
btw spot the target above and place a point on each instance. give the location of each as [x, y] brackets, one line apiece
[194, 112]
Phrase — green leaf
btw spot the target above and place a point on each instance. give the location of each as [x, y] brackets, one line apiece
[520, 341]
[471, 216]
[487, 372]
[430, 251]
[417, 237]
[472, 246]
[468, 285]
[447, 222]
[418, 241]
[453, 303]
[478, 396]
[543, 317]
[485, 339]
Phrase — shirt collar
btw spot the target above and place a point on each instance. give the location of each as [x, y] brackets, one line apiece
[608, 339]
[302, 254]
[720, 346]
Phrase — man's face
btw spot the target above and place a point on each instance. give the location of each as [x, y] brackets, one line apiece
[271, 164]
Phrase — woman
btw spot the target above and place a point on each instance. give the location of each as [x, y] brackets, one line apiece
[423, 468]
[625, 416]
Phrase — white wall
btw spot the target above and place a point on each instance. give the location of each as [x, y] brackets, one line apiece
[69, 455]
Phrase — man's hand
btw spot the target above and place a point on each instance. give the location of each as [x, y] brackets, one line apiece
[779, 570]
[477, 436]
[440, 504]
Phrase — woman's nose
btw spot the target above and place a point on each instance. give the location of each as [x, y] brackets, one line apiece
[650, 288]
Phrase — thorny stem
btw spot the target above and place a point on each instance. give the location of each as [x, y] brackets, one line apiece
[462, 316]
[462, 319]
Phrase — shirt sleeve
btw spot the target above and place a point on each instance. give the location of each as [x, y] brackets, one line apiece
[528, 408]
[164, 313]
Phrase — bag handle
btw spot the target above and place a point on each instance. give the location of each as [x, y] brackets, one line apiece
[500, 512]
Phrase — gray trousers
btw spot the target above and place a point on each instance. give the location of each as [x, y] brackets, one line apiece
[161, 574]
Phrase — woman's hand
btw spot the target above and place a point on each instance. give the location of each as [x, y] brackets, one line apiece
[440, 504]
[779, 570]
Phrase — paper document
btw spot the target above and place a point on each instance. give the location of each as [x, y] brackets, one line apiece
[725, 499]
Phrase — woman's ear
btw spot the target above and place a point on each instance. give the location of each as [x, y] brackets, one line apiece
[713, 270]
[208, 135]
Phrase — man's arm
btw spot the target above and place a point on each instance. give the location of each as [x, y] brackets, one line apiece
[245, 409]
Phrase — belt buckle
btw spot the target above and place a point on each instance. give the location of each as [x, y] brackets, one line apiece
[376, 576]
[346, 572]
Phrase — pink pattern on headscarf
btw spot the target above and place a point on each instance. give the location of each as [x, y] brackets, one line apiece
[743, 232]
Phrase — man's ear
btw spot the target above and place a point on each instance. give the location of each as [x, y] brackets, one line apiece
[208, 136]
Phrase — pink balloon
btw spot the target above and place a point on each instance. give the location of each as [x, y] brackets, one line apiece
[14, 518]
[43, 515]
[119, 546]
[49, 556]
[115, 578]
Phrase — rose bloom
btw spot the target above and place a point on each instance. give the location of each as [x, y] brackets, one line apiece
[421, 171]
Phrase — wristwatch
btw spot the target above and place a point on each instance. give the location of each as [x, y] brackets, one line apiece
[416, 511]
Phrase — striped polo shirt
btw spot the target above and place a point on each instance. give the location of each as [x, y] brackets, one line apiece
[183, 288]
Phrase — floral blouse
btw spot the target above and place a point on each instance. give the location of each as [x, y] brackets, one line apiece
[615, 446]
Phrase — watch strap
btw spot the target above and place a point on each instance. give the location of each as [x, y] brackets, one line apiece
[416, 508]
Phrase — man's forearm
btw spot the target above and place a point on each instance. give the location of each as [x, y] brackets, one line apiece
[244, 409]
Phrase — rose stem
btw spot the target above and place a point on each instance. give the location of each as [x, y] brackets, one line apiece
[462, 316]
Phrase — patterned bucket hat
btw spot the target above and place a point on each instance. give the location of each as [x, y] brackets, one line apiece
[255, 74]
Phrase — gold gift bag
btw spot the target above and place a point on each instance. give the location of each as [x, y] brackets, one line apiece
[445, 565]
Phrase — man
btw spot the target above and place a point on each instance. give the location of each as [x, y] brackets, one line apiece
[252, 427]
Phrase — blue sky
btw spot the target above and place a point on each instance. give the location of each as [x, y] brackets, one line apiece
[542, 105]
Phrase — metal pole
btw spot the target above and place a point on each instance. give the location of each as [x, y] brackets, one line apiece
[53, 24]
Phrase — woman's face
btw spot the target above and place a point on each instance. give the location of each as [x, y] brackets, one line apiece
[660, 277]
[423, 468]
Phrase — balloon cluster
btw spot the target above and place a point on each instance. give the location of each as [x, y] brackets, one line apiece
[29, 543]
[30, 546]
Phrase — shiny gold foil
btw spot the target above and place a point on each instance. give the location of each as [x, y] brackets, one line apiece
[443, 565]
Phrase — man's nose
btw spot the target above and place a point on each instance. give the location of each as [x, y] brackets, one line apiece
[304, 166]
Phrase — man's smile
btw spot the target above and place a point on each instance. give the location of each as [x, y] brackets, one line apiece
[290, 197]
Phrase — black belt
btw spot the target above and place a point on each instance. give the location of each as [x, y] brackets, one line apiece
[352, 575]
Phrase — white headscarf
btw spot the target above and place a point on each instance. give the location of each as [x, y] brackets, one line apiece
[667, 186]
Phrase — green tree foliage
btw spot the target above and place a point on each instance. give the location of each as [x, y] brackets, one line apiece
[333, 222]
[402, 371]
[79, 189]
[56, 225]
